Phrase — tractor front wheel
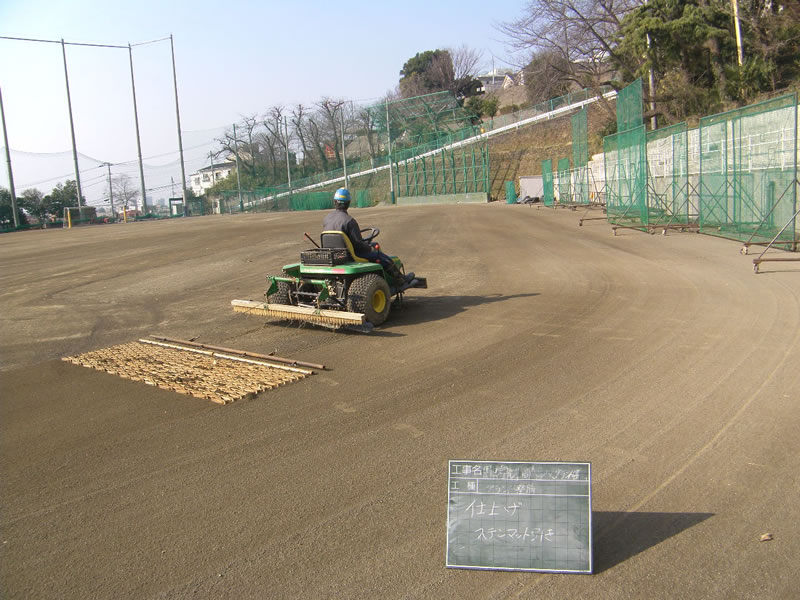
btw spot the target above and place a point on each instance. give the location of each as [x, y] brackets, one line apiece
[370, 295]
[281, 295]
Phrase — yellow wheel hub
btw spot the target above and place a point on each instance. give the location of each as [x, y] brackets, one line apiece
[378, 301]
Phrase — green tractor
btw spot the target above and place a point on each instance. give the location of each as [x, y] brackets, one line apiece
[333, 287]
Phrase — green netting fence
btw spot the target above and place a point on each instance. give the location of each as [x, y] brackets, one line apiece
[267, 200]
[416, 128]
[420, 121]
[564, 181]
[562, 102]
[547, 183]
[455, 171]
[748, 172]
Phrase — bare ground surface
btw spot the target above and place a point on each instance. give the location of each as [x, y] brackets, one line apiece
[662, 360]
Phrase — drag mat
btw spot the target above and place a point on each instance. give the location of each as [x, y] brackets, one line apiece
[202, 374]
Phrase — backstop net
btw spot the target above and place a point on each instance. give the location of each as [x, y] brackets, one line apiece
[79, 215]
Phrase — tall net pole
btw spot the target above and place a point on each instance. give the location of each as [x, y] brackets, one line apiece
[110, 190]
[71, 125]
[178, 118]
[389, 148]
[238, 178]
[138, 139]
[8, 162]
[288, 166]
[344, 150]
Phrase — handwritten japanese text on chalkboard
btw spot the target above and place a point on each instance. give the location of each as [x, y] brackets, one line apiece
[519, 515]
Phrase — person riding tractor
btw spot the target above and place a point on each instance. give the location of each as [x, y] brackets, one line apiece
[344, 281]
[339, 220]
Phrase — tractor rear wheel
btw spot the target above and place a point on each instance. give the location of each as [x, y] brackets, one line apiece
[370, 295]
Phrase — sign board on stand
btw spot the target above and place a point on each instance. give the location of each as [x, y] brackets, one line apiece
[519, 516]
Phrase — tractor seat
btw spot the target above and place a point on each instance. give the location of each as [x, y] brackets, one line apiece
[339, 239]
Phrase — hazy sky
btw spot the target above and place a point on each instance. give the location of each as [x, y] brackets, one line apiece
[233, 58]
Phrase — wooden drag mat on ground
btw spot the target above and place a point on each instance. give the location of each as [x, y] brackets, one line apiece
[198, 371]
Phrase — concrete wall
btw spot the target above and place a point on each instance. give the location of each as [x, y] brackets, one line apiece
[470, 198]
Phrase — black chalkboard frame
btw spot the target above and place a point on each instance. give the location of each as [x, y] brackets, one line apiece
[560, 483]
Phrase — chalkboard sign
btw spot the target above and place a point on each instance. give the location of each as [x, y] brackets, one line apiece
[520, 516]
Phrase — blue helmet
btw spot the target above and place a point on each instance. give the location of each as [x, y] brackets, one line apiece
[342, 196]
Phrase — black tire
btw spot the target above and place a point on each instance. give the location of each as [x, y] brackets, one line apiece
[281, 295]
[370, 295]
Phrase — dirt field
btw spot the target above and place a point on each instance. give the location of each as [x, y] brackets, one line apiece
[662, 360]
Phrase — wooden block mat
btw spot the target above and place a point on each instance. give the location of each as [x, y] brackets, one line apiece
[214, 378]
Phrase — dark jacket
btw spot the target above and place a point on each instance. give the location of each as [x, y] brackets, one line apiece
[339, 220]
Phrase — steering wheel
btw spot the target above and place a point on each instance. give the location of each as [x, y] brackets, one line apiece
[374, 231]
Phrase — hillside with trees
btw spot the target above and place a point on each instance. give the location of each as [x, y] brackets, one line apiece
[685, 51]
[695, 56]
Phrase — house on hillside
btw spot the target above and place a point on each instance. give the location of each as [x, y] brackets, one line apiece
[501, 80]
[513, 79]
[208, 176]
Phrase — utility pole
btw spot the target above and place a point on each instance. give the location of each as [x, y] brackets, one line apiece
[652, 85]
[178, 118]
[238, 179]
[8, 161]
[389, 148]
[110, 189]
[71, 125]
[735, 5]
[211, 160]
[138, 141]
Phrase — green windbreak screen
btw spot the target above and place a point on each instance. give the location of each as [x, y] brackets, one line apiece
[668, 176]
[625, 156]
[564, 182]
[629, 107]
[580, 138]
[547, 182]
[580, 157]
[748, 172]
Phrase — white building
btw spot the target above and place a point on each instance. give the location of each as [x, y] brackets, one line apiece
[208, 176]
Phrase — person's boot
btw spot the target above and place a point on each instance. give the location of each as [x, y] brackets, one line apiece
[398, 279]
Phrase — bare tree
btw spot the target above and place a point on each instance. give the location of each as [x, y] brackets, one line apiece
[317, 138]
[366, 126]
[546, 76]
[466, 61]
[329, 110]
[125, 189]
[245, 145]
[576, 37]
[273, 122]
[299, 114]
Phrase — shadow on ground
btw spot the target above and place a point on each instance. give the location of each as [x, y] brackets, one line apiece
[411, 312]
[620, 535]
[435, 308]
